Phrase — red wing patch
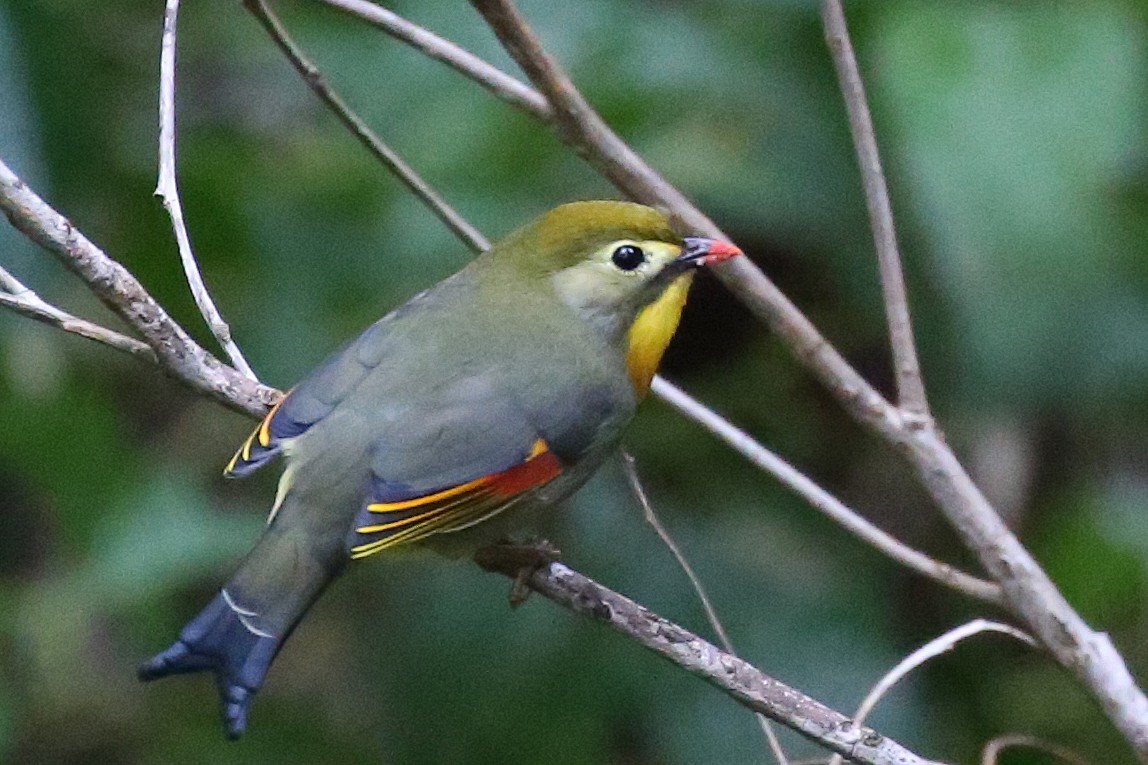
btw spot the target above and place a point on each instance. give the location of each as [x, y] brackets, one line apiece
[386, 524]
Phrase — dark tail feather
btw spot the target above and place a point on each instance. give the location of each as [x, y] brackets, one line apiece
[242, 629]
[218, 640]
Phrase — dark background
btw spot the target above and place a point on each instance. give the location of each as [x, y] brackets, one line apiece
[1014, 138]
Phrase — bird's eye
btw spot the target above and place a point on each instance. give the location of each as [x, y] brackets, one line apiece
[628, 257]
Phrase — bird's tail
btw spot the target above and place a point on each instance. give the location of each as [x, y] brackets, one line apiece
[238, 634]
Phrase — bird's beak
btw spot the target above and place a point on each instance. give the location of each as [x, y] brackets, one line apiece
[700, 251]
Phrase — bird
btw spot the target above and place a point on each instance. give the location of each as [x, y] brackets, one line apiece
[448, 423]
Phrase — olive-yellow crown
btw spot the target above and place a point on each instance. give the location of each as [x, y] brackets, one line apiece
[567, 234]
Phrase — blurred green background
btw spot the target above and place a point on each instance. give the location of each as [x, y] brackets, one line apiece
[1014, 137]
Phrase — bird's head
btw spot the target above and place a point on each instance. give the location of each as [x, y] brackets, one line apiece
[623, 268]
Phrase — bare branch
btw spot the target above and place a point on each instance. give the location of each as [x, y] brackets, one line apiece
[907, 368]
[991, 753]
[740, 680]
[631, 469]
[822, 500]
[168, 192]
[502, 85]
[114, 285]
[384, 153]
[930, 650]
[24, 301]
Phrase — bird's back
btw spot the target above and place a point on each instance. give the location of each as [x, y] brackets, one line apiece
[445, 389]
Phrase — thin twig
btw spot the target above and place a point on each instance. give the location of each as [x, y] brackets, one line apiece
[509, 89]
[168, 192]
[927, 652]
[822, 500]
[19, 298]
[576, 121]
[631, 468]
[115, 286]
[740, 680]
[907, 367]
[991, 753]
[384, 153]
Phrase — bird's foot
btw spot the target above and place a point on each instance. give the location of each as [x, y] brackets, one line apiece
[219, 641]
[519, 561]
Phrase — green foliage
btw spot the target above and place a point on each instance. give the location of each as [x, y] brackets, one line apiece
[1014, 140]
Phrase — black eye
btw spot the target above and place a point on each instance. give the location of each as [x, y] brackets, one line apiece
[628, 257]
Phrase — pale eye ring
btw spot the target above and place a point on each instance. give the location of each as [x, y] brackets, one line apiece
[628, 257]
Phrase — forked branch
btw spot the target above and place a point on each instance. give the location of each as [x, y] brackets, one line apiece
[16, 296]
[115, 286]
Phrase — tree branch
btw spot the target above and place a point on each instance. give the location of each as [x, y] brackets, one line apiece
[390, 159]
[1031, 595]
[179, 355]
[931, 650]
[24, 301]
[822, 500]
[168, 192]
[738, 679]
[906, 367]
[993, 749]
[576, 122]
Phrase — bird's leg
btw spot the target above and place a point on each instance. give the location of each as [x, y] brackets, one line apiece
[519, 561]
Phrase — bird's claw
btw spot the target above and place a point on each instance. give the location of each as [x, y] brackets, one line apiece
[518, 560]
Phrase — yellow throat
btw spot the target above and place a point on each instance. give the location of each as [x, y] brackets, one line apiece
[651, 332]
